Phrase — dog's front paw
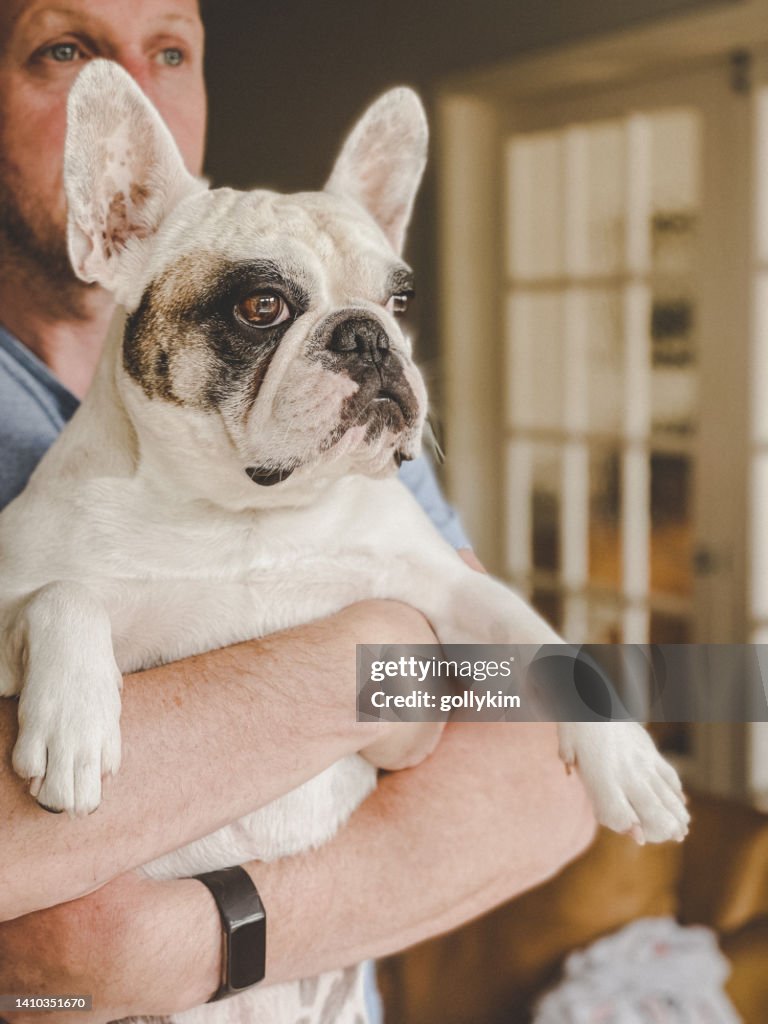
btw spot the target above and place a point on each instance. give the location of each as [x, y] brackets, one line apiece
[633, 789]
[69, 737]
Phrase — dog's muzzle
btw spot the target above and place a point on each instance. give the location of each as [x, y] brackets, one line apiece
[360, 347]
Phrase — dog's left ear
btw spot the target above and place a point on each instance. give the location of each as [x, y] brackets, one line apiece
[382, 161]
[123, 174]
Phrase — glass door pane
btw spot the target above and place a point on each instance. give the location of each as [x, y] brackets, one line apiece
[601, 356]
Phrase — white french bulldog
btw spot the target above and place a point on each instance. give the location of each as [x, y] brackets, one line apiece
[232, 472]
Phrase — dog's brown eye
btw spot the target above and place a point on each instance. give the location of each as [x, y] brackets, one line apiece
[263, 309]
[398, 304]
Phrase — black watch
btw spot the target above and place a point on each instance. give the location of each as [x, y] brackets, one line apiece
[243, 926]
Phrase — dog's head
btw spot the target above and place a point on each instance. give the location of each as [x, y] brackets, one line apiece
[263, 329]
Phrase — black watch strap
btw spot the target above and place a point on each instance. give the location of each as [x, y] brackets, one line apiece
[244, 929]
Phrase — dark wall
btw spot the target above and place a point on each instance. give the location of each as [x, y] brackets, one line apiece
[286, 80]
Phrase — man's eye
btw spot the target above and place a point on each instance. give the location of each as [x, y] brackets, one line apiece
[63, 53]
[263, 309]
[171, 56]
[398, 304]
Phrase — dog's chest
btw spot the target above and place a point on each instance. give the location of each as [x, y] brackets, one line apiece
[185, 582]
[217, 582]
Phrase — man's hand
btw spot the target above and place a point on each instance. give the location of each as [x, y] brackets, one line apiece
[78, 948]
[117, 946]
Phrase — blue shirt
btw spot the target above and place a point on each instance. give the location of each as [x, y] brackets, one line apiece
[34, 406]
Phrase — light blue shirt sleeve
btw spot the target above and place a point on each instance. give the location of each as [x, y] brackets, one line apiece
[419, 477]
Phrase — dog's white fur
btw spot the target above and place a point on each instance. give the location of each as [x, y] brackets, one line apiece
[140, 539]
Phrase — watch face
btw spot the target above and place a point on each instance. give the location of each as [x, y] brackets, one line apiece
[247, 948]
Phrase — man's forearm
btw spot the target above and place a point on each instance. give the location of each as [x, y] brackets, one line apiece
[489, 815]
[205, 741]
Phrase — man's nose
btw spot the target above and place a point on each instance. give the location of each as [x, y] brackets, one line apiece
[139, 68]
[361, 337]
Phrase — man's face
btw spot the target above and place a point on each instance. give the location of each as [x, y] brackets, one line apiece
[43, 46]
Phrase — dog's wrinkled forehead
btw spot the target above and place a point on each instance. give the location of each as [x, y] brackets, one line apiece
[324, 247]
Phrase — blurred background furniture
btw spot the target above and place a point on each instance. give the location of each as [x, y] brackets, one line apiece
[492, 971]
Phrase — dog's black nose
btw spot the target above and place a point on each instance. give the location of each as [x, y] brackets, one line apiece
[362, 337]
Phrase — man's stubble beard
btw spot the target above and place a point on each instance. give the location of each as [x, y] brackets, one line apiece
[33, 251]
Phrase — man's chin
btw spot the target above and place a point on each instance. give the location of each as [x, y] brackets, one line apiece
[35, 245]
[40, 265]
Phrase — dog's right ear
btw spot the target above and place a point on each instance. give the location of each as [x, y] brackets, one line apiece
[123, 174]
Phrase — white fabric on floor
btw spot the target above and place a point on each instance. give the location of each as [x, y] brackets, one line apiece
[653, 971]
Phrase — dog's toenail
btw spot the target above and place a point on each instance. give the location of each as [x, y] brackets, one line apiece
[51, 810]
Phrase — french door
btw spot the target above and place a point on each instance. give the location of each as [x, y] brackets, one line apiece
[621, 237]
[625, 353]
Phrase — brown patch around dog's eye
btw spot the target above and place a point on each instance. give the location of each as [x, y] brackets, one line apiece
[263, 309]
[189, 341]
